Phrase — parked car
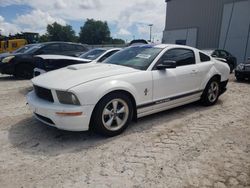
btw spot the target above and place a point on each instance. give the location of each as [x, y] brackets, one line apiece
[23, 49]
[242, 71]
[133, 83]
[46, 63]
[225, 56]
[21, 65]
[138, 42]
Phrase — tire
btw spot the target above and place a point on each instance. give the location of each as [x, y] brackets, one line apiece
[111, 109]
[24, 71]
[239, 78]
[211, 93]
[231, 66]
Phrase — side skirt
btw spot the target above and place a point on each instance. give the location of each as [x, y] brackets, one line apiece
[165, 104]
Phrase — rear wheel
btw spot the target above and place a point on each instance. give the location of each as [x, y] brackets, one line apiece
[211, 93]
[112, 114]
[24, 71]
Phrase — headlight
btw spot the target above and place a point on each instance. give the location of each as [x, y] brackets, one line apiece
[65, 97]
[7, 59]
[240, 67]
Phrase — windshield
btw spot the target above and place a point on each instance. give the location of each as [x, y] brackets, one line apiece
[24, 48]
[93, 54]
[139, 57]
[33, 48]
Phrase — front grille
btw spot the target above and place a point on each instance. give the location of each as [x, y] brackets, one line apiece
[43, 93]
[47, 120]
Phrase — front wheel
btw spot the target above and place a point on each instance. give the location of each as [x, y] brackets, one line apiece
[112, 114]
[24, 71]
[211, 93]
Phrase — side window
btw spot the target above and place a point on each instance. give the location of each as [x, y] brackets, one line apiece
[204, 57]
[107, 55]
[80, 48]
[51, 49]
[67, 47]
[182, 57]
[223, 54]
[14, 45]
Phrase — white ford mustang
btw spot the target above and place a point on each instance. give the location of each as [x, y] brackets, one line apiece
[133, 83]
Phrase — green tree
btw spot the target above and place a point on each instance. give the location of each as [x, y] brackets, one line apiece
[118, 41]
[43, 38]
[57, 32]
[94, 32]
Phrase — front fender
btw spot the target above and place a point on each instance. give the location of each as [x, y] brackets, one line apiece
[139, 85]
[116, 85]
[91, 93]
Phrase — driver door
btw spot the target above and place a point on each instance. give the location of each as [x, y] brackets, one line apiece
[174, 84]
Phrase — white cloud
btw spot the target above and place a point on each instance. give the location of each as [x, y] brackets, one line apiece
[124, 13]
[124, 32]
[7, 28]
[37, 20]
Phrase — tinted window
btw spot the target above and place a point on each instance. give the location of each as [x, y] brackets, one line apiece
[223, 54]
[68, 47]
[14, 45]
[80, 48]
[181, 56]
[52, 48]
[204, 57]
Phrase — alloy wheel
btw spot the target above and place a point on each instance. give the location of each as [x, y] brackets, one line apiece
[115, 114]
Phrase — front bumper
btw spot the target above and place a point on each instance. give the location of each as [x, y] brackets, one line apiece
[242, 73]
[6, 68]
[46, 112]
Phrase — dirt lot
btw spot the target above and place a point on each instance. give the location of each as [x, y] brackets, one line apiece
[191, 146]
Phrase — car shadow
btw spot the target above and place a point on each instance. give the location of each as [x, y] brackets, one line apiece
[34, 137]
[7, 78]
[243, 81]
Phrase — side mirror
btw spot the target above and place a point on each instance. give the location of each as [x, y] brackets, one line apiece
[166, 64]
[214, 55]
[248, 58]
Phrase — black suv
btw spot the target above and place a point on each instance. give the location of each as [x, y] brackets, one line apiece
[21, 65]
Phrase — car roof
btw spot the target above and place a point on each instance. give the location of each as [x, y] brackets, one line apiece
[60, 42]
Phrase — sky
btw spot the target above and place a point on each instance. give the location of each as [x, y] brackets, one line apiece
[127, 19]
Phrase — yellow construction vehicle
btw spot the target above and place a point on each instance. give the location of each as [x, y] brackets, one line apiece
[11, 45]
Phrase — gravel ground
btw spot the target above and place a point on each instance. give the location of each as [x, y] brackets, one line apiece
[190, 146]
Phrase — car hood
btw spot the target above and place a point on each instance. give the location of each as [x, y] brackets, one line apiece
[71, 76]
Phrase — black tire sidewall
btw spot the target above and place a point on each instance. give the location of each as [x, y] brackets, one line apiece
[239, 78]
[20, 69]
[96, 122]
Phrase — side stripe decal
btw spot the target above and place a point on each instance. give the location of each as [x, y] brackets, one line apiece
[168, 99]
